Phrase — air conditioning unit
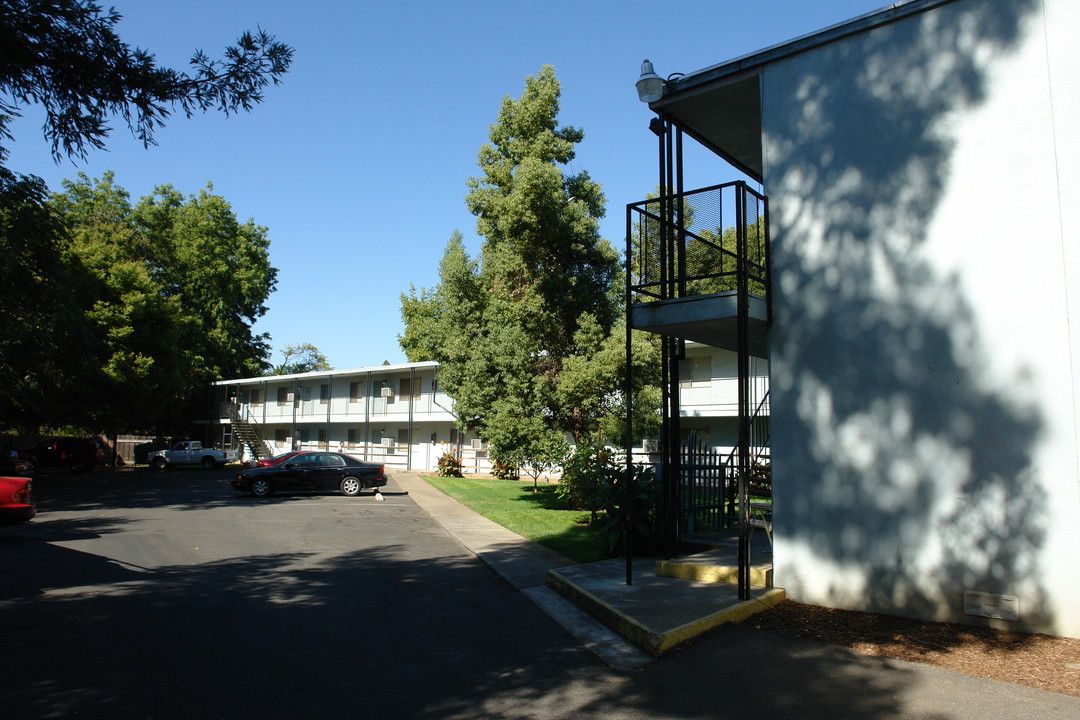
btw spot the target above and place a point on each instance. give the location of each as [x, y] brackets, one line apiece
[477, 444]
[651, 445]
[388, 442]
[387, 392]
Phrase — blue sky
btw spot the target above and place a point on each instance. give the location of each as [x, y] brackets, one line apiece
[357, 163]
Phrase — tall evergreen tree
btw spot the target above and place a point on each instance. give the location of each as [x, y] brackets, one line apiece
[535, 308]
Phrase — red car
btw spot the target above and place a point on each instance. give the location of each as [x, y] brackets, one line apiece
[15, 505]
[276, 460]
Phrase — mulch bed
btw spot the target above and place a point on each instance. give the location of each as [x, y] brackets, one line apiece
[1044, 662]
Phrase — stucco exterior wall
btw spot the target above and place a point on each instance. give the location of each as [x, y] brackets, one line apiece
[923, 181]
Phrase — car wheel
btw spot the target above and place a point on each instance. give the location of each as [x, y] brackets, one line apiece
[351, 486]
[261, 487]
[158, 463]
[209, 463]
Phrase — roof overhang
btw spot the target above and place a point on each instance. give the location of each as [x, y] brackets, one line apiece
[720, 106]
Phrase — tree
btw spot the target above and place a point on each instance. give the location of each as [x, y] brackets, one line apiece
[134, 368]
[542, 299]
[176, 285]
[219, 270]
[301, 358]
[44, 341]
[536, 448]
[65, 56]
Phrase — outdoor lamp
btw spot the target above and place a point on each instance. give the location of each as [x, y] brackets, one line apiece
[650, 86]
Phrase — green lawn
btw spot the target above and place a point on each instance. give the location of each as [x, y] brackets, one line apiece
[541, 516]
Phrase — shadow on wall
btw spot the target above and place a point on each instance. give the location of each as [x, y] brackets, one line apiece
[903, 462]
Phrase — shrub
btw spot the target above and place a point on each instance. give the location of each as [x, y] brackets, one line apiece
[584, 476]
[643, 521]
[449, 465]
[505, 471]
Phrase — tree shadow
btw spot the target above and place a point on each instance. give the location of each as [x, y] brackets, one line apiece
[903, 467]
[419, 631]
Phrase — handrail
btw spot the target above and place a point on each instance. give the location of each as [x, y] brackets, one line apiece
[684, 255]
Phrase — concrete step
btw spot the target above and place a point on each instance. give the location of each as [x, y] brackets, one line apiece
[713, 567]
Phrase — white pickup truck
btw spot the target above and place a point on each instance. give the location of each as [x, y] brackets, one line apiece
[190, 452]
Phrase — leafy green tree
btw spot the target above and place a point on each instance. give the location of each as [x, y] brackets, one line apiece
[301, 358]
[43, 335]
[66, 56]
[136, 367]
[178, 283]
[219, 270]
[542, 300]
[532, 445]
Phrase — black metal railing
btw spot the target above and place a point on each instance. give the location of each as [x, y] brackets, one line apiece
[691, 244]
[710, 478]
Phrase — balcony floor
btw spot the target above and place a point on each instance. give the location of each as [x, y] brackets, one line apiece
[708, 319]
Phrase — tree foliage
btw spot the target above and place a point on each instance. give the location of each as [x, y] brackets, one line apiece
[301, 358]
[527, 332]
[43, 287]
[119, 314]
[65, 56]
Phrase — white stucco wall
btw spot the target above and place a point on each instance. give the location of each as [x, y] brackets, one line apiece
[924, 182]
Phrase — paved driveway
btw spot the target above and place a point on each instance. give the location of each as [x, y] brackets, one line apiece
[143, 595]
[139, 594]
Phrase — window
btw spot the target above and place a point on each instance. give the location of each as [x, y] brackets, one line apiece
[283, 395]
[696, 371]
[356, 436]
[281, 436]
[324, 394]
[256, 396]
[356, 391]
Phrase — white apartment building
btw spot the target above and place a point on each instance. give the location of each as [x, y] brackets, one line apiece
[397, 414]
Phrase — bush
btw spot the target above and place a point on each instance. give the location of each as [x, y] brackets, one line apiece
[643, 521]
[505, 471]
[584, 476]
[449, 465]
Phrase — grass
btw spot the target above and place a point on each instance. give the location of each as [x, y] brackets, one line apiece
[539, 516]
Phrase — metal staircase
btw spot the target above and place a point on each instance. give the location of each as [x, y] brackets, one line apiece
[698, 268]
[246, 432]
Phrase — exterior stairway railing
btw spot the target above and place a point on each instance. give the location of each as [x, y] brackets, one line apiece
[246, 430]
[710, 487]
[680, 245]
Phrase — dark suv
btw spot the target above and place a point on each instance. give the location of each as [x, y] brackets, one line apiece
[78, 454]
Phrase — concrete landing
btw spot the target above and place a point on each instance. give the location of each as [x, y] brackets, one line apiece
[655, 612]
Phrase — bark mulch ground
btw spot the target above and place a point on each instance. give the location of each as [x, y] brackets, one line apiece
[1043, 662]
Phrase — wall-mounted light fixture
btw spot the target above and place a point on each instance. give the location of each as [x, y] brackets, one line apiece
[650, 86]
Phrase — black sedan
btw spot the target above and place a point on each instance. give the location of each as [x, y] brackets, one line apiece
[312, 471]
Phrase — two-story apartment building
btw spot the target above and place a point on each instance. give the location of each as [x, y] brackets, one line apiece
[393, 414]
[397, 414]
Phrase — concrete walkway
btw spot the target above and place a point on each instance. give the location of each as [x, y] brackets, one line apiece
[525, 565]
